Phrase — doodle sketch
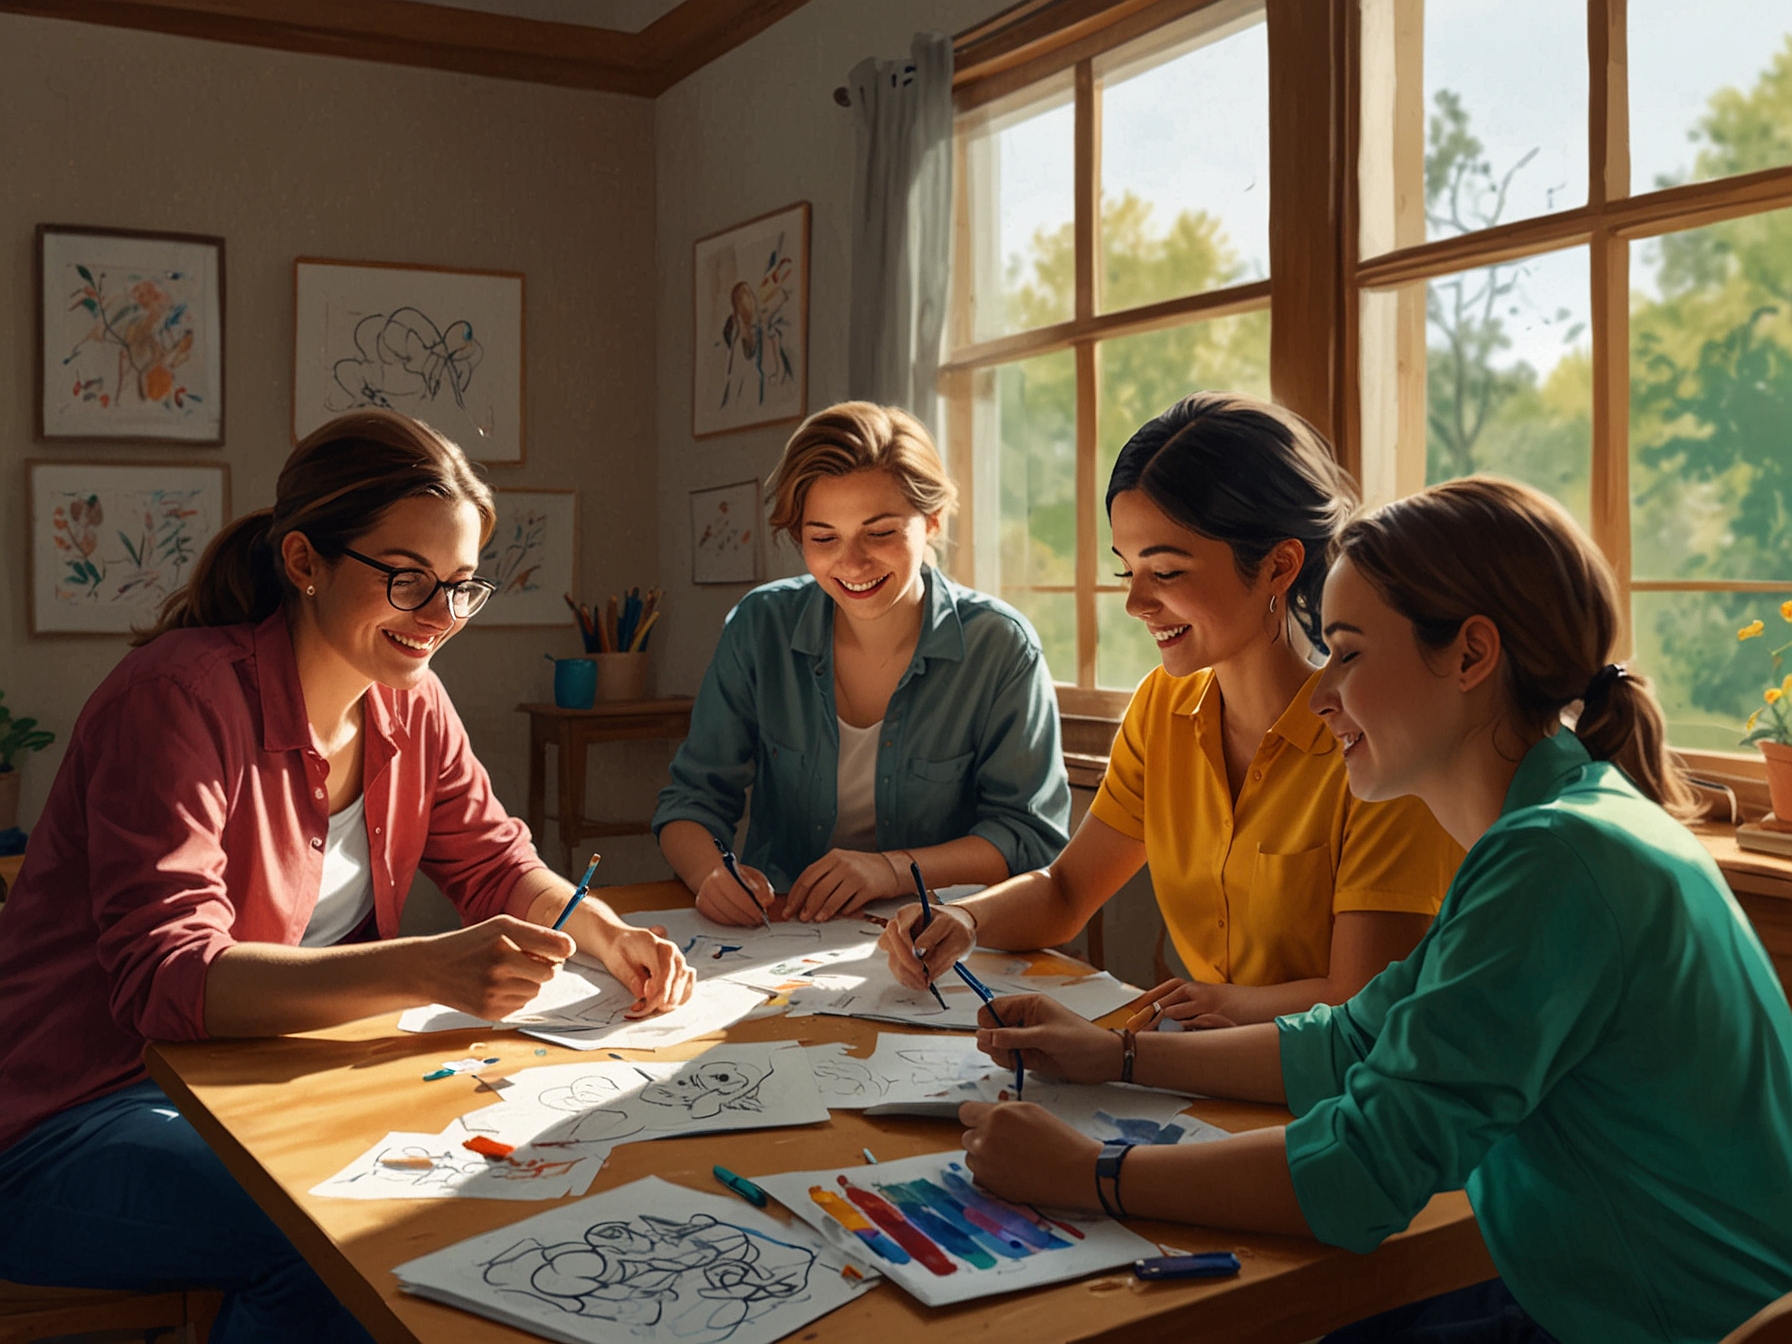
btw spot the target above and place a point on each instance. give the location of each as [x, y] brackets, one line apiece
[724, 525]
[436, 1166]
[697, 1280]
[650, 1261]
[404, 362]
[532, 557]
[710, 1088]
[750, 286]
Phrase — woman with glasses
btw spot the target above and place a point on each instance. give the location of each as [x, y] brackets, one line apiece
[226, 851]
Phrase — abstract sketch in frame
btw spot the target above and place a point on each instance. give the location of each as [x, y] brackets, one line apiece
[443, 345]
[725, 526]
[533, 557]
[130, 335]
[111, 540]
[750, 298]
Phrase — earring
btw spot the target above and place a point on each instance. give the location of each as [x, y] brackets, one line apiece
[312, 592]
[1272, 604]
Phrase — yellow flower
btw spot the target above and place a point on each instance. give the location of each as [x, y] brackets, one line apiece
[1749, 727]
[1786, 685]
[1752, 629]
[1773, 695]
[1786, 610]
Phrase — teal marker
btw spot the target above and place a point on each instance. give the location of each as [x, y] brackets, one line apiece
[578, 893]
[741, 1186]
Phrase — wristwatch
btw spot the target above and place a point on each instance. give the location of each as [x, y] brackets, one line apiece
[1107, 1177]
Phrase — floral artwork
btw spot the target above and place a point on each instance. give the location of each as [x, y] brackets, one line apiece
[725, 526]
[532, 557]
[110, 543]
[131, 341]
[751, 290]
[441, 345]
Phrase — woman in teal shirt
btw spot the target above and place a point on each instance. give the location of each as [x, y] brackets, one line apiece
[1590, 1039]
[879, 712]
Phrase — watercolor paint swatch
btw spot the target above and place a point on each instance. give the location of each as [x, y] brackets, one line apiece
[926, 1224]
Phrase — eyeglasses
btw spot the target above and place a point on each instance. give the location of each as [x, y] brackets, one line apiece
[414, 589]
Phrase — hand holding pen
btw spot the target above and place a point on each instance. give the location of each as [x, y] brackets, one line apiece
[977, 987]
[730, 863]
[926, 919]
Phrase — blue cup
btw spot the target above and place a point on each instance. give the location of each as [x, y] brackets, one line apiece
[575, 683]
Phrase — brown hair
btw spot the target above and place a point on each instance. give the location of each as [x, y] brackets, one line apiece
[1232, 468]
[858, 436]
[333, 489]
[1494, 548]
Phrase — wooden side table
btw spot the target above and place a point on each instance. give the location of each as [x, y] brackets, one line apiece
[571, 731]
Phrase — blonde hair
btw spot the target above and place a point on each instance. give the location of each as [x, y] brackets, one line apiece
[333, 489]
[1494, 548]
[859, 436]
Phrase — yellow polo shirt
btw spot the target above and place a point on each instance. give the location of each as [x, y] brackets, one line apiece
[1248, 891]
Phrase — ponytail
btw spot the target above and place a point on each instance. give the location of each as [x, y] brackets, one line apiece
[1481, 546]
[333, 489]
[236, 582]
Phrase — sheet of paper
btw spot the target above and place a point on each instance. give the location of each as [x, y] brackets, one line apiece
[557, 1107]
[767, 958]
[866, 988]
[583, 1006]
[943, 1239]
[649, 1261]
[436, 1166]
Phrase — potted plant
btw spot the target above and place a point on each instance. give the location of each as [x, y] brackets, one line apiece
[1770, 727]
[16, 736]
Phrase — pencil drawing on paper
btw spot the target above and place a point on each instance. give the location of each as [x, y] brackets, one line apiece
[712, 1087]
[403, 361]
[696, 1280]
[724, 527]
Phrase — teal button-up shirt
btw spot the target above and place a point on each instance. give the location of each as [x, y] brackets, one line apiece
[1592, 1041]
[970, 742]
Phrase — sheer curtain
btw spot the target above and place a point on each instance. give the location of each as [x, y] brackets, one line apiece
[901, 226]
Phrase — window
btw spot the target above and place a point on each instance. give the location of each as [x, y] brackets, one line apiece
[1110, 257]
[1573, 266]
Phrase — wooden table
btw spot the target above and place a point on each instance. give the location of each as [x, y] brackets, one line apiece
[1763, 887]
[287, 1113]
[571, 731]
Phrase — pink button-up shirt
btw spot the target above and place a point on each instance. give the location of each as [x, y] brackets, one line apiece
[189, 815]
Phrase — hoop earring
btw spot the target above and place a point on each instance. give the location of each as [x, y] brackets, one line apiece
[1272, 604]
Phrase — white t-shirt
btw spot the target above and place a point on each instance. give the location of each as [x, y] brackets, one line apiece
[345, 897]
[855, 821]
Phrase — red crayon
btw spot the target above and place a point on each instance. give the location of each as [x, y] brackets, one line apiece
[906, 1235]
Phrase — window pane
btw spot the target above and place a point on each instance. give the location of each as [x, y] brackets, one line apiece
[1019, 181]
[1140, 377]
[1124, 651]
[1711, 402]
[1054, 616]
[1505, 111]
[1185, 166]
[1035, 405]
[1710, 89]
[1707, 681]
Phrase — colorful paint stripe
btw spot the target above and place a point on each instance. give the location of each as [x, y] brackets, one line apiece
[916, 1242]
[857, 1224]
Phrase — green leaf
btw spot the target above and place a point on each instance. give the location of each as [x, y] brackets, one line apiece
[85, 274]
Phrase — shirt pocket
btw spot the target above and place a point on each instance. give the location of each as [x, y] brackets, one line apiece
[953, 770]
[781, 762]
[939, 803]
[1291, 914]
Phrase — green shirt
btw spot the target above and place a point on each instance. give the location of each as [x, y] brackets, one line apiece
[1590, 1040]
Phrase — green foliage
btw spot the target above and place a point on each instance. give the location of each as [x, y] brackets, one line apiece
[19, 735]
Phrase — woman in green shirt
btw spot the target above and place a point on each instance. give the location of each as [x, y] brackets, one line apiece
[1590, 1038]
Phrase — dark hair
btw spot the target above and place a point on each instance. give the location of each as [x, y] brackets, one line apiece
[1248, 473]
[1493, 548]
[333, 489]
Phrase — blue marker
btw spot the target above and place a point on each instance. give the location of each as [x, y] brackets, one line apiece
[741, 1186]
[578, 892]
[728, 862]
[977, 987]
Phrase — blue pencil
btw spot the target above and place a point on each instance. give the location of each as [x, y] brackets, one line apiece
[977, 987]
[578, 892]
[926, 919]
[729, 862]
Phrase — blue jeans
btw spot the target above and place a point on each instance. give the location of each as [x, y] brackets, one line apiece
[1483, 1313]
[121, 1192]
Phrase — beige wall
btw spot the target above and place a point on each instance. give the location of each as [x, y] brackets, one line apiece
[286, 155]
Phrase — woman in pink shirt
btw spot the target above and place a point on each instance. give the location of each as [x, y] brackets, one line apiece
[226, 851]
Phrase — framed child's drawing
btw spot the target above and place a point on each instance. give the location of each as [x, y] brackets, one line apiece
[110, 541]
[725, 527]
[130, 335]
[750, 291]
[533, 557]
[445, 346]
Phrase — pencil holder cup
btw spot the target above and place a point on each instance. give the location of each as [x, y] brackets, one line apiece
[621, 676]
[575, 682]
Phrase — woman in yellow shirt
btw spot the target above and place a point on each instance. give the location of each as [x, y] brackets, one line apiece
[1277, 887]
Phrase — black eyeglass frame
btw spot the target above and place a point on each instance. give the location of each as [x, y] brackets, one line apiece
[457, 589]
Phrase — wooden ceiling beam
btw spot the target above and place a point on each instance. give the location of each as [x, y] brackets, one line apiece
[442, 37]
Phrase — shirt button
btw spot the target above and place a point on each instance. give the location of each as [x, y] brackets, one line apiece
[1256, 774]
[376, 830]
[1227, 823]
[318, 792]
[317, 844]
[1222, 923]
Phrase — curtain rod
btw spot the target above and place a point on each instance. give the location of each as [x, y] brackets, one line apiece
[995, 25]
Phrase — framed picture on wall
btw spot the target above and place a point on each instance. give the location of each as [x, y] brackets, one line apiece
[750, 352]
[111, 540]
[445, 346]
[533, 557]
[725, 525]
[130, 335]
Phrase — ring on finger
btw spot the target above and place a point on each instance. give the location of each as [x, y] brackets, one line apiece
[1157, 1010]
